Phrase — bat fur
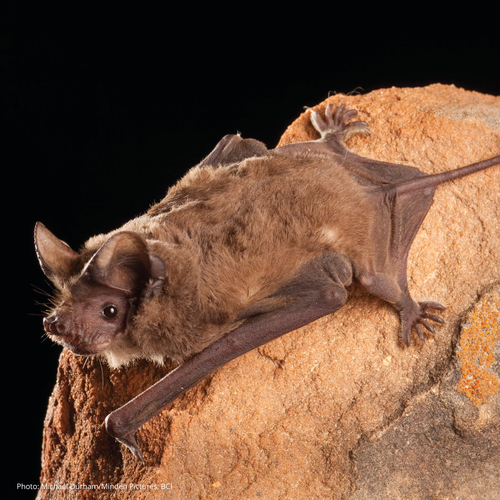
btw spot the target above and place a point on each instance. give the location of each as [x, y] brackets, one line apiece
[248, 245]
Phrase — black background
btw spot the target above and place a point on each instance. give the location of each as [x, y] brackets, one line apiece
[104, 109]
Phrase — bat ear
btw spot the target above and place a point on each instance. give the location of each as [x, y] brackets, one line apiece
[124, 263]
[57, 260]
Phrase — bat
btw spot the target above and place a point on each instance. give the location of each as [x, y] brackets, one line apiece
[250, 244]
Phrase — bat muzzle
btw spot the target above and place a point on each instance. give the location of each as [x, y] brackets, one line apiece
[59, 332]
[54, 327]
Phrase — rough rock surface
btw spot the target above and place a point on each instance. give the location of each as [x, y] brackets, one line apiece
[338, 409]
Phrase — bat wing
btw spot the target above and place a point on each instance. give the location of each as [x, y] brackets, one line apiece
[399, 207]
[232, 149]
[407, 210]
[398, 212]
[229, 150]
[315, 291]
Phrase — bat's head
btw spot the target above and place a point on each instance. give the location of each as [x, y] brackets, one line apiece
[100, 291]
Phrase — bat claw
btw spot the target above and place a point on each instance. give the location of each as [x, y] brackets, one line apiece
[432, 305]
[433, 317]
[419, 332]
[113, 428]
[426, 325]
[131, 443]
[335, 123]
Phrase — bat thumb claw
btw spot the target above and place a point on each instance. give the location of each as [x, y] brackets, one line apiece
[113, 428]
[131, 444]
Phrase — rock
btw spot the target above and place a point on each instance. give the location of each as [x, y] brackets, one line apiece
[339, 408]
[444, 445]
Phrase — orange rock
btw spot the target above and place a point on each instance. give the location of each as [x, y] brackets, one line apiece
[480, 336]
[322, 411]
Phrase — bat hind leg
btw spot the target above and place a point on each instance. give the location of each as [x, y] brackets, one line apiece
[413, 314]
[335, 124]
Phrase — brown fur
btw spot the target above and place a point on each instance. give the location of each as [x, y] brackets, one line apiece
[230, 237]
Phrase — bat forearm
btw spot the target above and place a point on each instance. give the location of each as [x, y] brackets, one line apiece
[256, 331]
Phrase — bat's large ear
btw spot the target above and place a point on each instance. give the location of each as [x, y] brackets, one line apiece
[57, 260]
[124, 263]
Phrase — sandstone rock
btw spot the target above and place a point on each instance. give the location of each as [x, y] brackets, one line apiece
[338, 409]
[443, 446]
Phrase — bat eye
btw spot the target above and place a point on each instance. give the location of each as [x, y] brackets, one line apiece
[110, 311]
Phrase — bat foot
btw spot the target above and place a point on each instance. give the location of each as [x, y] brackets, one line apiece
[335, 123]
[416, 318]
[114, 428]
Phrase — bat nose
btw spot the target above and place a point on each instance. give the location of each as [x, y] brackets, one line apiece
[53, 326]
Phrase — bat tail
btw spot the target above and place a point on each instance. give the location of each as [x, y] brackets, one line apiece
[432, 181]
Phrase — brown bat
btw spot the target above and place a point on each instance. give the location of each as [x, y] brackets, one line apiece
[251, 244]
